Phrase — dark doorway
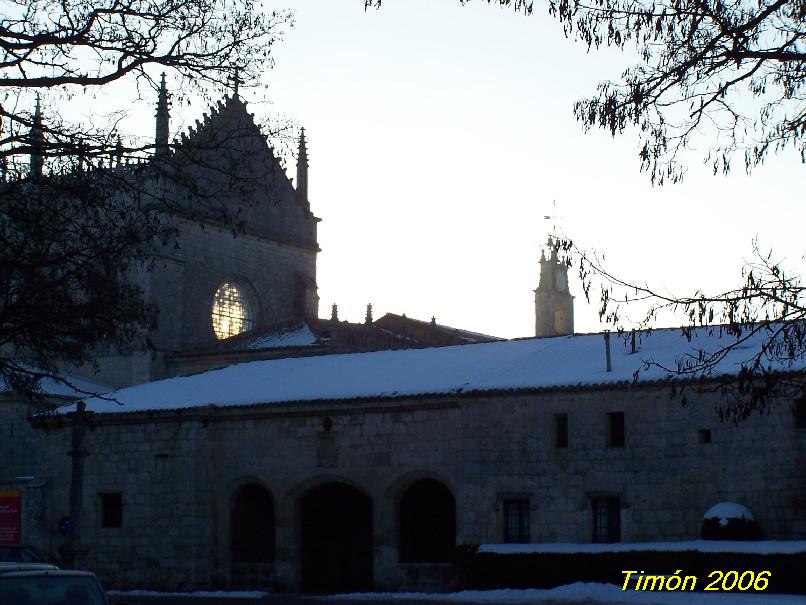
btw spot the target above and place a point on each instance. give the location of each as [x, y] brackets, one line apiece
[336, 539]
[251, 537]
[427, 523]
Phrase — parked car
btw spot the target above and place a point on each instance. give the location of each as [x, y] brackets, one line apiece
[10, 567]
[18, 553]
[50, 587]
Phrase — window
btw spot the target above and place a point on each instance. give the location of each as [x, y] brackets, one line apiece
[111, 509]
[232, 311]
[800, 413]
[615, 437]
[516, 520]
[561, 430]
[606, 519]
[704, 436]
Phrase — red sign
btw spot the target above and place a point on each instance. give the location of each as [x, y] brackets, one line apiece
[10, 518]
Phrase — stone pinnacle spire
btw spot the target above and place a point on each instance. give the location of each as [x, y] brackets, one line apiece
[302, 167]
[161, 133]
[37, 139]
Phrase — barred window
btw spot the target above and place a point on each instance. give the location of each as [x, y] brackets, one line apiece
[516, 520]
[606, 519]
[232, 311]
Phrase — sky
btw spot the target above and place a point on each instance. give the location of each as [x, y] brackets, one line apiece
[440, 135]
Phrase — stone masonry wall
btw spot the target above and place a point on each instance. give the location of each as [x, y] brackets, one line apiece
[178, 473]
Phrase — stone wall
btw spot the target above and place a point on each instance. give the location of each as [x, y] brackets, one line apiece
[209, 257]
[178, 472]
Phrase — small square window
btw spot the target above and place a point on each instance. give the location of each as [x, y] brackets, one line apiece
[561, 430]
[704, 436]
[800, 413]
[516, 520]
[111, 509]
[606, 519]
[615, 422]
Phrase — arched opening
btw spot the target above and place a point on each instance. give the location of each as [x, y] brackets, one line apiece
[336, 539]
[251, 535]
[427, 523]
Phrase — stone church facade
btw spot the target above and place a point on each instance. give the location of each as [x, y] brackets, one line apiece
[246, 244]
[321, 462]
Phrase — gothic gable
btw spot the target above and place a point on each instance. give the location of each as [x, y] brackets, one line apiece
[226, 167]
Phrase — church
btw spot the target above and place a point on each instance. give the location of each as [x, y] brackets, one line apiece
[263, 446]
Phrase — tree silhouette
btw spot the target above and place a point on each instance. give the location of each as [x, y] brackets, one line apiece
[727, 74]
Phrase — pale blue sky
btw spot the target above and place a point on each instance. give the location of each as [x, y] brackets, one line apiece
[439, 136]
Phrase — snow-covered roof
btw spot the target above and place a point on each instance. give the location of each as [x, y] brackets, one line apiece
[299, 336]
[532, 363]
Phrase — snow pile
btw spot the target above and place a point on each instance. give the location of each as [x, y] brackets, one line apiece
[724, 511]
[297, 337]
[761, 547]
[580, 592]
[532, 363]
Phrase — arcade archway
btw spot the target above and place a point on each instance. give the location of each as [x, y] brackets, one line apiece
[427, 523]
[336, 539]
[251, 536]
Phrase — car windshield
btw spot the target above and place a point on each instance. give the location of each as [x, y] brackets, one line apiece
[50, 590]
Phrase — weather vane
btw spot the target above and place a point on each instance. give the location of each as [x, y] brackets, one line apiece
[554, 217]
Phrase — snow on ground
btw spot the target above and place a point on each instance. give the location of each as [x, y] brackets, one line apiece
[759, 547]
[515, 364]
[728, 510]
[583, 591]
[213, 594]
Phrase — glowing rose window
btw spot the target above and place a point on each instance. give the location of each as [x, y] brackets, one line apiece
[232, 311]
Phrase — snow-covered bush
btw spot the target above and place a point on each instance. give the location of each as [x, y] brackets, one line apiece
[729, 521]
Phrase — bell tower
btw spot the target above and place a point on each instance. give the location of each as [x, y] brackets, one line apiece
[554, 305]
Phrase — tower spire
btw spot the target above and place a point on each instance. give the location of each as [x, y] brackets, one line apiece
[302, 167]
[554, 305]
[37, 139]
[161, 133]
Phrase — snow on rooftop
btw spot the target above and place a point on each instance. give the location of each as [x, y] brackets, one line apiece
[296, 337]
[515, 364]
